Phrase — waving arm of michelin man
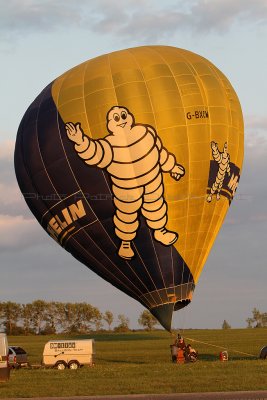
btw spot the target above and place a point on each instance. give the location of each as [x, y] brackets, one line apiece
[94, 152]
[75, 132]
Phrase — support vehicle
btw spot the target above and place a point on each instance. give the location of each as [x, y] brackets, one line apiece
[4, 366]
[68, 353]
[17, 357]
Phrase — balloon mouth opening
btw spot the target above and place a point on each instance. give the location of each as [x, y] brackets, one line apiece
[164, 312]
[181, 304]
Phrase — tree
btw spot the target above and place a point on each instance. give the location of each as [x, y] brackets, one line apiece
[26, 315]
[10, 314]
[264, 320]
[147, 320]
[60, 316]
[250, 322]
[97, 319]
[79, 317]
[225, 325]
[108, 318]
[1, 314]
[123, 324]
[39, 314]
[259, 319]
[50, 319]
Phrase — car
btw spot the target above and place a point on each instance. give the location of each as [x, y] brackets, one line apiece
[17, 357]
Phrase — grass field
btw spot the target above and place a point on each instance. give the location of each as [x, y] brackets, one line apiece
[140, 362]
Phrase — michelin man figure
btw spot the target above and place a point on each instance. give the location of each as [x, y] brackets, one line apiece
[135, 159]
[223, 160]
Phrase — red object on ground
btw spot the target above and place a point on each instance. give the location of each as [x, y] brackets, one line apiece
[180, 356]
[223, 356]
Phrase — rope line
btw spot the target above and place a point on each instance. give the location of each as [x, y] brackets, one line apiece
[221, 347]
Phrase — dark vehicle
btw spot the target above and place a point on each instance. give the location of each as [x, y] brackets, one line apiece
[263, 353]
[17, 357]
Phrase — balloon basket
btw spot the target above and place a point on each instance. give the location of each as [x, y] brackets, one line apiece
[177, 355]
[174, 350]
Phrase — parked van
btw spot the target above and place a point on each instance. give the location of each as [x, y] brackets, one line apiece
[70, 353]
[4, 366]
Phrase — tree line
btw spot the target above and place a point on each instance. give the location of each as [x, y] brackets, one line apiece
[42, 317]
[258, 320]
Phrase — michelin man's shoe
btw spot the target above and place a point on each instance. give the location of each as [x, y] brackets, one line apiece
[209, 198]
[165, 237]
[125, 250]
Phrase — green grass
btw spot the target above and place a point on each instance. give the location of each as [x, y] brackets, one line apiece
[140, 362]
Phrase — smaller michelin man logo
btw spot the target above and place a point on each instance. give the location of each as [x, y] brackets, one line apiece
[223, 160]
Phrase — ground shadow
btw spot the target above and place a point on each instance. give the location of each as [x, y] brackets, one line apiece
[213, 357]
[108, 360]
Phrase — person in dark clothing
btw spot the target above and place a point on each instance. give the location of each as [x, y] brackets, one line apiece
[190, 354]
[177, 340]
[181, 344]
[178, 349]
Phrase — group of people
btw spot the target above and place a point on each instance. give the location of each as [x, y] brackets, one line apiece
[183, 352]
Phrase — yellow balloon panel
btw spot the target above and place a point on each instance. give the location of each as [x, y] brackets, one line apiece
[195, 112]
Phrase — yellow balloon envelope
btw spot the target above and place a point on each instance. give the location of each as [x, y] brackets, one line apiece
[152, 138]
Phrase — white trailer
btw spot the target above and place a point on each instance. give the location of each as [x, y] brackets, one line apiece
[4, 366]
[68, 353]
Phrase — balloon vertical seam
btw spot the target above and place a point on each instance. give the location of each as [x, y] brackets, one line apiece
[155, 124]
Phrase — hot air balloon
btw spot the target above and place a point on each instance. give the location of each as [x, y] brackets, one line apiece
[130, 161]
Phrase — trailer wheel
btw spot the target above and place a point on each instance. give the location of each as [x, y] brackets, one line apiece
[263, 353]
[74, 365]
[61, 365]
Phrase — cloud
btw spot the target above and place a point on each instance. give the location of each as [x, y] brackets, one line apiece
[140, 20]
[256, 129]
[221, 15]
[156, 22]
[17, 232]
[12, 203]
[11, 199]
[9, 194]
[145, 22]
[7, 149]
[259, 218]
[18, 228]
[256, 139]
[27, 15]
[256, 123]
[249, 207]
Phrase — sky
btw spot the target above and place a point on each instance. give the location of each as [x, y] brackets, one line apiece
[40, 40]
